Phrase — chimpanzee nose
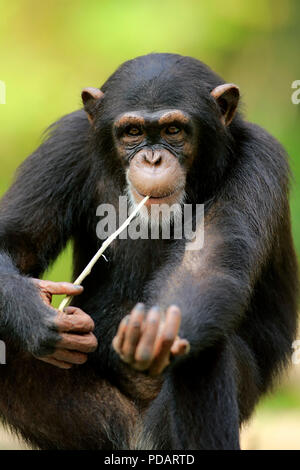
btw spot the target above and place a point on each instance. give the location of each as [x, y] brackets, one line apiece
[154, 158]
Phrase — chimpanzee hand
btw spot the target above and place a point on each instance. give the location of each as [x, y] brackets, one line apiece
[74, 327]
[146, 342]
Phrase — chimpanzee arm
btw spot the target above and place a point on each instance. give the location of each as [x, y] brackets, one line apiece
[36, 219]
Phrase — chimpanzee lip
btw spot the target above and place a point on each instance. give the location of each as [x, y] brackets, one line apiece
[155, 197]
[169, 198]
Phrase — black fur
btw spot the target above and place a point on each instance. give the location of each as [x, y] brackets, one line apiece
[238, 294]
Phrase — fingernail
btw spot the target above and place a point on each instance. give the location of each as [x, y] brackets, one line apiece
[78, 287]
[139, 306]
[155, 308]
[144, 356]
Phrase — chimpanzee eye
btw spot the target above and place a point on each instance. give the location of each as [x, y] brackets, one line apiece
[171, 130]
[133, 131]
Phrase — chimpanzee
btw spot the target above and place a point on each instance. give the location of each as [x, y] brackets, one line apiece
[166, 346]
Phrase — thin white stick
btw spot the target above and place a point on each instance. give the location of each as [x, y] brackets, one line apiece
[100, 252]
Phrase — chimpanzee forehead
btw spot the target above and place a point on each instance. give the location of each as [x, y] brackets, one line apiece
[154, 96]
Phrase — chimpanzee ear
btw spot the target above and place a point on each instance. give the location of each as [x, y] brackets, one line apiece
[90, 96]
[227, 97]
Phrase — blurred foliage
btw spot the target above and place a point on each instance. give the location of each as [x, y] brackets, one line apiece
[51, 50]
[287, 397]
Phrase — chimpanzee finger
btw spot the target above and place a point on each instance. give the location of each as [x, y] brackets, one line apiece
[84, 343]
[166, 339]
[55, 362]
[117, 342]
[133, 332]
[48, 288]
[172, 322]
[58, 288]
[73, 319]
[145, 349]
[180, 347]
[71, 357]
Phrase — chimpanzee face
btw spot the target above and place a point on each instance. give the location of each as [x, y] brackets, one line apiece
[157, 148]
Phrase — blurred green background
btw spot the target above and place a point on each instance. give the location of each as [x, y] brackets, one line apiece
[49, 51]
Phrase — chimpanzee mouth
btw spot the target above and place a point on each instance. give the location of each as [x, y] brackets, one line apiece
[168, 198]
